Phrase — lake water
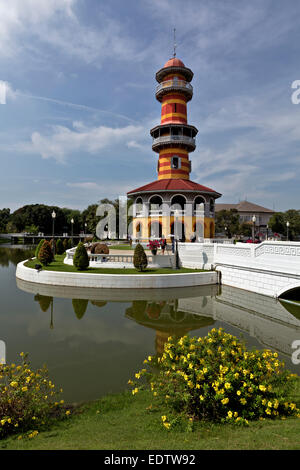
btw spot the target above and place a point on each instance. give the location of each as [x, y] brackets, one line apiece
[94, 340]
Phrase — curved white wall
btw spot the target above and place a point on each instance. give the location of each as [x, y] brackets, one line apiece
[116, 281]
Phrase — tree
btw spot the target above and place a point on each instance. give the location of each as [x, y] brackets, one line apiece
[37, 250]
[4, 219]
[140, 261]
[81, 259]
[276, 222]
[45, 253]
[229, 219]
[59, 247]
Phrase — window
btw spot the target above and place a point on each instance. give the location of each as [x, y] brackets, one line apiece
[175, 163]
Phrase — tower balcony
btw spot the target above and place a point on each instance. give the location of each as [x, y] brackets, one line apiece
[174, 85]
[159, 142]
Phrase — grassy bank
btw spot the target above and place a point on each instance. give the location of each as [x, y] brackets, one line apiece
[122, 422]
[58, 265]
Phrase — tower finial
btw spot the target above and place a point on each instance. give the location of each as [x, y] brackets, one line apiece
[175, 45]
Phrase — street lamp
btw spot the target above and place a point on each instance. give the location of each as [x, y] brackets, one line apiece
[53, 242]
[253, 227]
[85, 227]
[287, 230]
[225, 228]
[176, 238]
[72, 222]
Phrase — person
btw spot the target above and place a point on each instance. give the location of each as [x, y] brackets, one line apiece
[163, 243]
[173, 243]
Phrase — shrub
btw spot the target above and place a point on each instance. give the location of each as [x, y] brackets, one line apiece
[81, 259]
[45, 253]
[216, 378]
[39, 247]
[59, 247]
[27, 399]
[53, 242]
[70, 244]
[65, 244]
[140, 261]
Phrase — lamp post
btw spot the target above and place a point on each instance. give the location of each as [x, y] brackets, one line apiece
[287, 230]
[176, 238]
[85, 228]
[253, 227]
[53, 242]
[225, 228]
[72, 222]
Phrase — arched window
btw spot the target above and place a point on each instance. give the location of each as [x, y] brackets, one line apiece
[199, 203]
[138, 230]
[155, 203]
[138, 205]
[178, 201]
[155, 230]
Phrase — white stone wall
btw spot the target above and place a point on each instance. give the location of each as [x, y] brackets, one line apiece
[269, 268]
[116, 281]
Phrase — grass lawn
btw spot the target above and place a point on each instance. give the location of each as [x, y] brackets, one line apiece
[58, 265]
[122, 422]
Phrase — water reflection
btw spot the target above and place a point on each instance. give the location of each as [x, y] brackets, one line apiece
[94, 340]
[14, 255]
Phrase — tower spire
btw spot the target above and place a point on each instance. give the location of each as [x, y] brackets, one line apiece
[175, 45]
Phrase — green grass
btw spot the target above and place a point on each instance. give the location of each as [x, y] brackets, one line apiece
[120, 247]
[58, 265]
[124, 423]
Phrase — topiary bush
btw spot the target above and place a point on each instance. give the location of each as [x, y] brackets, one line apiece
[59, 247]
[65, 244]
[81, 259]
[45, 255]
[79, 307]
[215, 378]
[140, 261]
[39, 246]
[27, 399]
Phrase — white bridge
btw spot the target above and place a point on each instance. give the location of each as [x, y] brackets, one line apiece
[269, 268]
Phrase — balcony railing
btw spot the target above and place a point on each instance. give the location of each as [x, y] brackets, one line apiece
[179, 139]
[176, 84]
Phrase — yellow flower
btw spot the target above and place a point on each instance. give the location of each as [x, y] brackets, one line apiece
[167, 425]
[243, 401]
[164, 418]
[68, 412]
[24, 389]
[262, 388]
[227, 385]
[201, 397]
[14, 384]
[134, 391]
[238, 392]
[229, 414]
[225, 401]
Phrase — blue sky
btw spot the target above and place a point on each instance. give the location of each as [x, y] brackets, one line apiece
[78, 81]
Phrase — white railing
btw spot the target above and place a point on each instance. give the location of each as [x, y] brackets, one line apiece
[173, 83]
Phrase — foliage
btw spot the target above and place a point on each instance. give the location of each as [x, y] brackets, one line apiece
[53, 242]
[65, 244]
[45, 255]
[44, 301]
[32, 229]
[278, 221]
[69, 243]
[27, 399]
[81, 259]
[39, 246]
[230, 220]
[215, 378]
[153, 244]
[59, 247]
[140, 261]
[4, 218]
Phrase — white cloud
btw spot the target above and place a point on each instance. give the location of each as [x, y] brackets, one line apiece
[64, 141]
[27, 25]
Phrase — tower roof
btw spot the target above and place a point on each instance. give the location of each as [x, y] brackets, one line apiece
[177, 185]
[174, 62]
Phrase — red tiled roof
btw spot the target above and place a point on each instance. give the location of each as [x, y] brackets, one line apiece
[173, 185]
[174, 62]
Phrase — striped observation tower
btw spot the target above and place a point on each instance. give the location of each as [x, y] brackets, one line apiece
[173, 204]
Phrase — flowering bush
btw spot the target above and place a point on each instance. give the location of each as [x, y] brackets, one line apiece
[153, 244]
[216, 378]
[27, 399]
